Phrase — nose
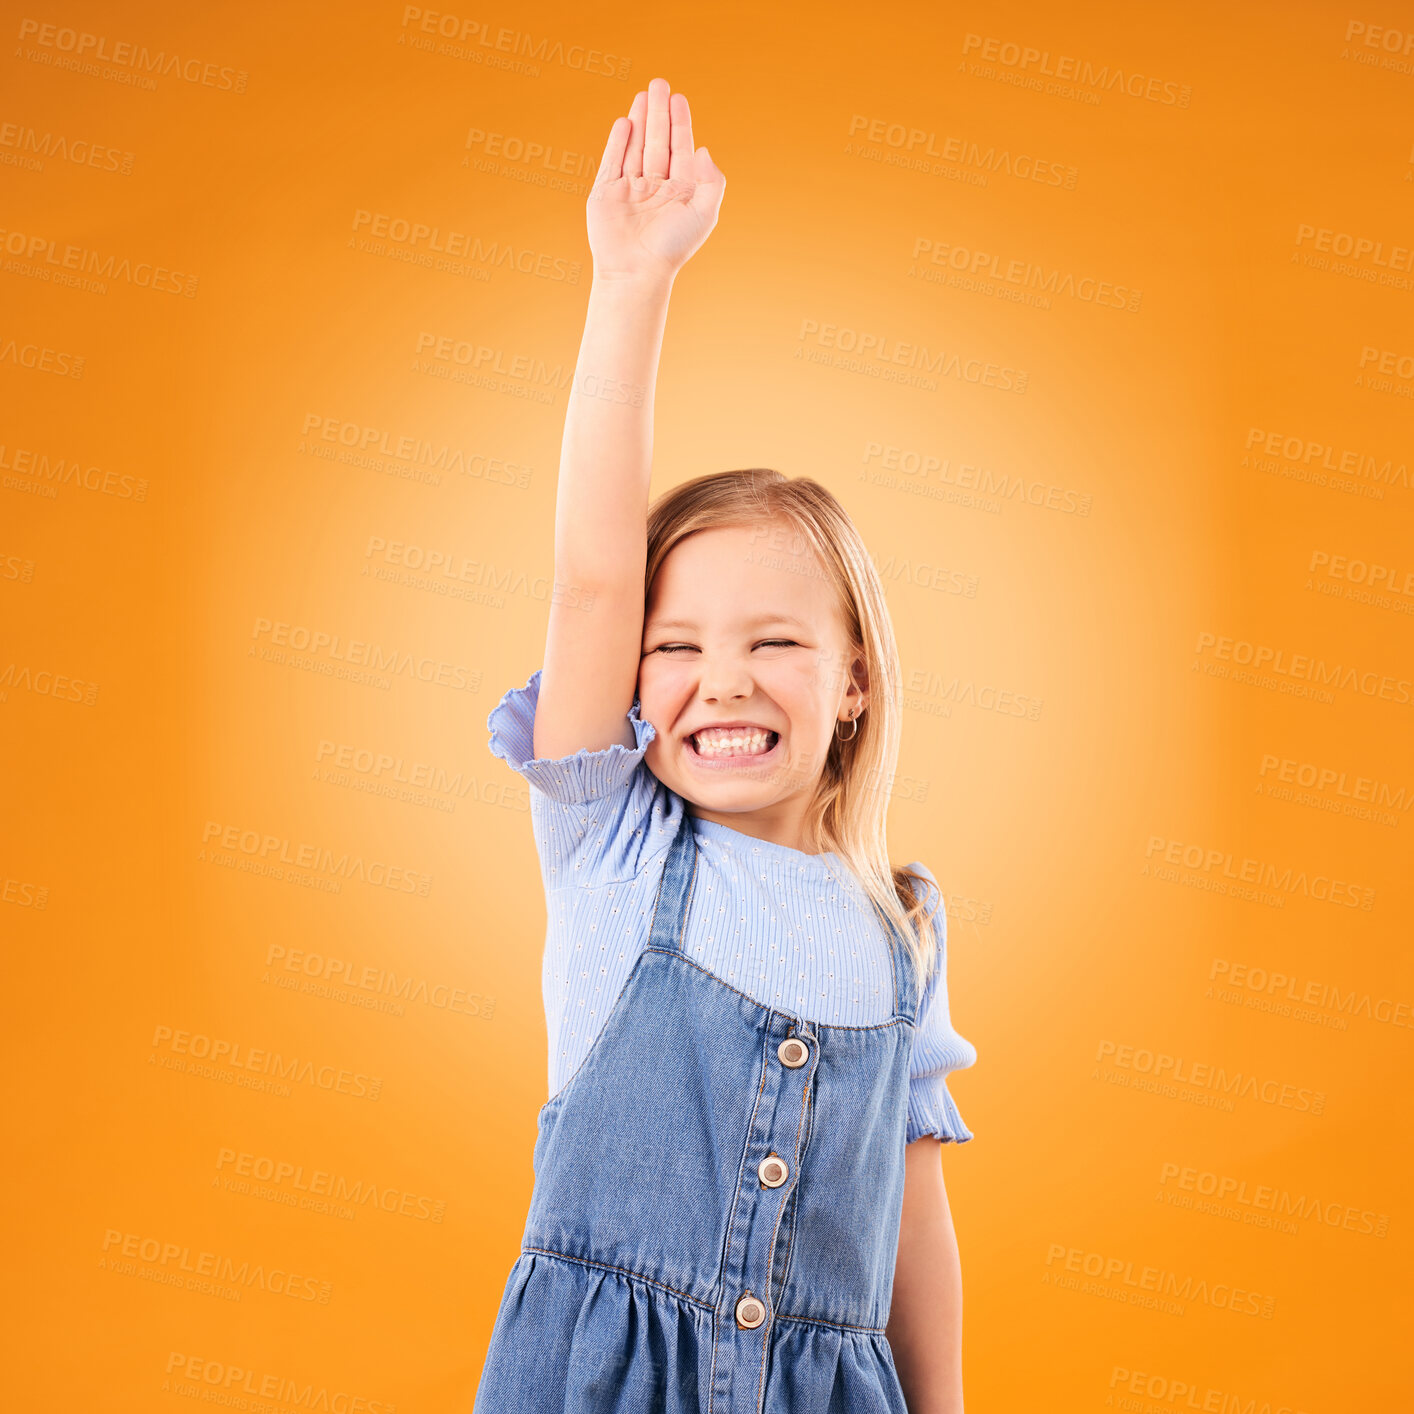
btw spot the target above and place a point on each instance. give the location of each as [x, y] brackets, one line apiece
[724, 680]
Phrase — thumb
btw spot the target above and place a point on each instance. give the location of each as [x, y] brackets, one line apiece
[710, 185]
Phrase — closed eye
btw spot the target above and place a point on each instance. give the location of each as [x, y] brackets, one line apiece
[689, 647]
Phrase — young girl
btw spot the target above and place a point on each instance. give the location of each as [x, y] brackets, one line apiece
[738, 1201]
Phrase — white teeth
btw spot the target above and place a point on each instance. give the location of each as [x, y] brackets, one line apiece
[732, 741]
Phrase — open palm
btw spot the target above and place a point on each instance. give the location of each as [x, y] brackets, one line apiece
[655, 198]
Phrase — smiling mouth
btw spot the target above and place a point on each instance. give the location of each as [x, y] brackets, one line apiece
[735, 744]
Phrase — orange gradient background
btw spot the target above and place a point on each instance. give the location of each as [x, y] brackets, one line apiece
[1107, 543]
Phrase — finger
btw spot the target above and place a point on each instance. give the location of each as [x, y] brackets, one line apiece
[655, 142]
[611, 164]
[637, 115]
[680, 164]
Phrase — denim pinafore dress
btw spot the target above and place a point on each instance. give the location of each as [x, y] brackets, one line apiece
[715, 1215]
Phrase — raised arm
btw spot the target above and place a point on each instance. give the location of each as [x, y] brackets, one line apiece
[655, 201]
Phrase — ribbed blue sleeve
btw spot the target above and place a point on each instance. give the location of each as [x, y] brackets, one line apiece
[938, 1050]
[593, 812]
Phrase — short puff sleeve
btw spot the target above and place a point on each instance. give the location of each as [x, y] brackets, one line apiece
[937, 1048]
[596, 815]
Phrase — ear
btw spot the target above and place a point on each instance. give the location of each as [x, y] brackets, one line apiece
[859, 684]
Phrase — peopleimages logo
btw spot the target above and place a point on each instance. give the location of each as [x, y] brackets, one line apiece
[1109, 79]
[28, 148]
[65, 262]
[1204, 1075]
[1186, 1394]
[462, 37]
[99, 48]
[221, 1382]
[1356, 790]
[1361, 581]
[893, 360]
[1261, 1203]
[1222, 864]
[1050, 280]
[1305, 668]
[179, 1264]
[1318, 461]
[916, 146]
[1356, 247]
[1271, 985]
[321, 1190]
[52, 471]
[411, 233]
[1118, 1278]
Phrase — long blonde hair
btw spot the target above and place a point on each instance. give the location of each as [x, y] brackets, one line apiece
[848, 812]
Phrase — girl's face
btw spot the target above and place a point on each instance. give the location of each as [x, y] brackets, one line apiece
[742, 630]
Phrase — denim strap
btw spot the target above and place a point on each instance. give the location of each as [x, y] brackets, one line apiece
[675, 889]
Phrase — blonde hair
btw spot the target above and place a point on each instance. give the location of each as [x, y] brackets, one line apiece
[847, 814]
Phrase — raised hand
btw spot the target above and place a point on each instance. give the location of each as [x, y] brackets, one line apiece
[656, 197]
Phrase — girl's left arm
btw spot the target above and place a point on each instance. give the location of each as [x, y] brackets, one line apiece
[925, 1317]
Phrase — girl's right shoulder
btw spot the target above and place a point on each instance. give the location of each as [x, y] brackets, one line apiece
[598, 817]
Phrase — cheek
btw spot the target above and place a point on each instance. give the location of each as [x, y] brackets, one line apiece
[651, 676]
[808, 718]
[661, 694]
[807, 684]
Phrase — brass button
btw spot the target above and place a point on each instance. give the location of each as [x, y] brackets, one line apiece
[793, 1052]
[750, 1312]
[772, 1171]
